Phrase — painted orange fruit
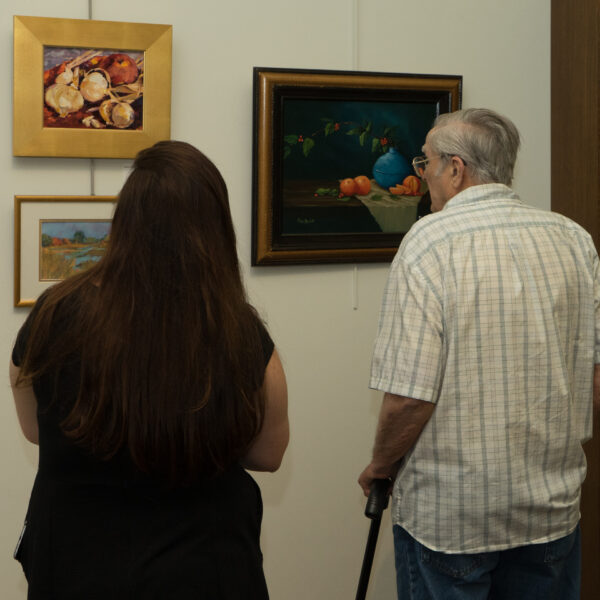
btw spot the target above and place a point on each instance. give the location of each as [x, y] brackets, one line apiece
[413, 183]
[400, 190]
[363, 185]
[348, 187]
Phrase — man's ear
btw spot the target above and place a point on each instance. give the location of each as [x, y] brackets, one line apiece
[458, 172]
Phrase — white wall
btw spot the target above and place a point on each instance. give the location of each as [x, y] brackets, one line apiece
[314, 530]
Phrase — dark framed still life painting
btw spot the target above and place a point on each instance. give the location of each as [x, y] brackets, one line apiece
[56, 237]
[332, 174]
[85, 88]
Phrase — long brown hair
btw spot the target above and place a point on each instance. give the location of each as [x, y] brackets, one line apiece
[171, 358]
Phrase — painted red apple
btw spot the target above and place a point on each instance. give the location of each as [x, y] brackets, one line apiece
[122, 69]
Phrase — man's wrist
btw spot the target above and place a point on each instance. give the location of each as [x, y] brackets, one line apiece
[382, 470]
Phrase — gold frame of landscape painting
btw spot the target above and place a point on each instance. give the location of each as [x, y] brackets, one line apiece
[36, 221]
[97, 137]
[314, 128]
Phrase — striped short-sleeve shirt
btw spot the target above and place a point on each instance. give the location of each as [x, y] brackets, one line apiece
[492, 312]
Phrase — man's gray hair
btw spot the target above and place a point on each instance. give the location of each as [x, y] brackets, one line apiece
[486, 141]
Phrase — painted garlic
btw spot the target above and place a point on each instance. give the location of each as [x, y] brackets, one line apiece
[68, 77]
[63, 98]
[91, 121]
[94, 86]
[119, 114]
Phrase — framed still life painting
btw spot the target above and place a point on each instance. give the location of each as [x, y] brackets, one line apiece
[332, 174]
[86, 88]
[55, 237]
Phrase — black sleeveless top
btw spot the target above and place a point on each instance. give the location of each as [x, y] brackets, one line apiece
[102, 530]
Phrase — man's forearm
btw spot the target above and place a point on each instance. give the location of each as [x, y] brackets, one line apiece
[401, 421]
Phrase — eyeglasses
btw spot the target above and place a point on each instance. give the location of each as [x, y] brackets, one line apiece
[419, 164]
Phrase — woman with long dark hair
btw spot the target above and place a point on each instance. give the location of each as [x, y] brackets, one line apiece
[150, 384]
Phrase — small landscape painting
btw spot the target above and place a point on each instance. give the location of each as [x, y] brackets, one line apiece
[87, 88]
[69, 247]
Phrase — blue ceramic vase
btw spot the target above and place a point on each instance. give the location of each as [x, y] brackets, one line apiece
[390, 168]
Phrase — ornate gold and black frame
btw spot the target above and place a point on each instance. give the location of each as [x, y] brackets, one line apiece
[312, 129]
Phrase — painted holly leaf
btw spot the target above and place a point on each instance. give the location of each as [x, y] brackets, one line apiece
[375, 144]
[354, 131]
[362, 137]
[329, 128]
[326, 192]
[307, 146]
[291, 139]
[286, 151]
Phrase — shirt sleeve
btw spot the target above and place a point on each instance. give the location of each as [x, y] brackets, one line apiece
[408, 352]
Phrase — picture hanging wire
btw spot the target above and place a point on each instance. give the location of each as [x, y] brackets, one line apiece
[355, 68]
[355, 35]
[92, 177]
[355, 288]
[92, 163]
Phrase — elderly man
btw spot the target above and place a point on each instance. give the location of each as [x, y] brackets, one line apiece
[487, 351]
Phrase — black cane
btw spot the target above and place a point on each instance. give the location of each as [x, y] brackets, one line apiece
[376, 504]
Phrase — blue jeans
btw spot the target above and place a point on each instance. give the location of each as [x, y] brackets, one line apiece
[550, 571]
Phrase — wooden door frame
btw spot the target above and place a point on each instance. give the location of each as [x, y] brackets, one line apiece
[575, 184]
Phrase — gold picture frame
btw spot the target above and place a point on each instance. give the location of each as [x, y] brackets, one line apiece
[33, 34]
[31, 214]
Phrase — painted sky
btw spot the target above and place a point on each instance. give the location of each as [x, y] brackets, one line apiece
[66, 229]
[54, 55]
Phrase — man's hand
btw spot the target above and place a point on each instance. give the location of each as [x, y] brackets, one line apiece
[371, 473]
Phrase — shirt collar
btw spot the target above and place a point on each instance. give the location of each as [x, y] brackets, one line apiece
[479, 193]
